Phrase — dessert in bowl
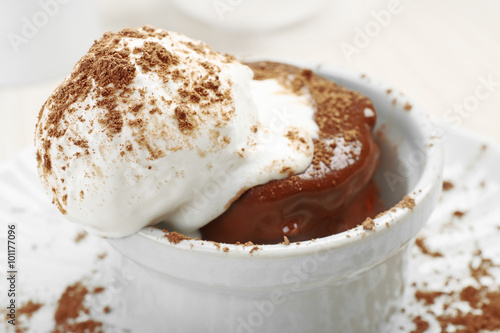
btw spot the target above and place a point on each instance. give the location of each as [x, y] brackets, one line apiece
[351, 280]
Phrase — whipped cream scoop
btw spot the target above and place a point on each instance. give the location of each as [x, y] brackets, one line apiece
[153, 126]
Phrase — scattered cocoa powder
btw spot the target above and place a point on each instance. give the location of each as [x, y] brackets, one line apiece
[70, 306]
[175, 237]
[471, 295]
[447, 185]
[71, 303]
[102, 255]
[29, 309]
[98, 290]
[288, 171]
[249, 243]
[111, 71]
[420, 242]
[459, 213]
[87, 326]
[185, 119]
[154, 57]
[407, 202]
[80, 236]
[484, 301]
[482, 269]
[488, 302]
[368, 224]
[420, 325]
[428, 297]
[255, 248]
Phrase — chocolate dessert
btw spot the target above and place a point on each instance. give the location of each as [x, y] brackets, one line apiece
[149, 120]
[335, 193]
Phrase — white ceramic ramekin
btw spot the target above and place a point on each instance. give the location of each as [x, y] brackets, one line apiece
[348, 282]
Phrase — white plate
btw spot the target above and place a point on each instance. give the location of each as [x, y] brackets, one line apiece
[49, 259]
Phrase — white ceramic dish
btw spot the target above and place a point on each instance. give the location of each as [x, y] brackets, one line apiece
[348, 282]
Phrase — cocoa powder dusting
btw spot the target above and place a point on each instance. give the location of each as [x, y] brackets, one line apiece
[255, 248]
[175, 237]
[420, 325]
[155, 58]
[105, 75]
[471, 295]
[47, 162]
[204, 89]
[420, 242]
[29, 308]
[80, 236]
[477, 271]
[24, 313]
[87, 326]
[98, 290]
[447, 185]
[82, 143]
[488, 302]
[113, 119]
[407, 202]
[70, 305]
[105, 67]
[102, 255]
[70, 309]
[368, 224]
[217, 244]
[110, 67]
[185, 119]
[484, 302]
[339, 112]
[428, 297]
[111, 70]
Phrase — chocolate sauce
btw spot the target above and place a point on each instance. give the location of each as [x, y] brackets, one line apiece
[335, 193]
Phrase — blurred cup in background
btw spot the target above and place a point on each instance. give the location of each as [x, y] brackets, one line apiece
[247, 16]
[43, 39]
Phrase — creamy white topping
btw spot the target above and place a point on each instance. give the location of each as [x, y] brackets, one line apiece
[153, 169]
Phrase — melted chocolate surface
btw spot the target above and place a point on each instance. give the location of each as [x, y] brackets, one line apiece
[335, 193]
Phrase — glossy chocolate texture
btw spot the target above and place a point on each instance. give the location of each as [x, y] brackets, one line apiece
[335, 193]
